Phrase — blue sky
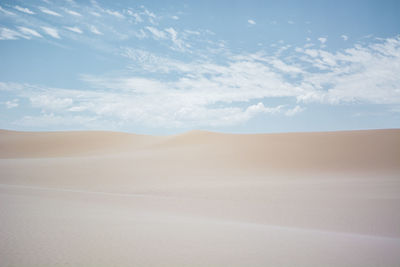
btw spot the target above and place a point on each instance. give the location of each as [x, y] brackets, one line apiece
[164, 67]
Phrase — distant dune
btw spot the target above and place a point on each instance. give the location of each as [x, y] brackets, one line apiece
[348, 150]
[200, 199]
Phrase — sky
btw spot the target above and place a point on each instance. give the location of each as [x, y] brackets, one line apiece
[166, 67]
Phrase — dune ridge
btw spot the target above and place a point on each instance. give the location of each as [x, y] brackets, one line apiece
[346, 150]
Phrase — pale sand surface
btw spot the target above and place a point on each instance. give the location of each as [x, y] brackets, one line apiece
[200, 199]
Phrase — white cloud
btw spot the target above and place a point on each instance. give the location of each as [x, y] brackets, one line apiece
[52, 32]
[73, 13]
[135, 15]
[359, 74]
[74, 29]
[94, 30]
[95, 14]
[311, 52]
[192, 32]
[150, 62]
[12, 104]
[253, 110]
[150, 15]
[157, 34]
[366, 74]
[50, 102]
[172, 32]
[215, 94]
[24, 10]
[12, 87]
[188, 100]
[174, 38]
[344, 37]
[8, 34]
[138, 16]
[294, 111]
[282, 66]
[29, 32]
[141, 34]
[53, 121]
[322, 40]
[49, 12]
[203, 97]
[175, 17]
[9, 13]
[114, 13]
[204, 92]
[252, 22]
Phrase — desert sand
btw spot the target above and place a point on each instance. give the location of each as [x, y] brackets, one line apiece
[200, 199]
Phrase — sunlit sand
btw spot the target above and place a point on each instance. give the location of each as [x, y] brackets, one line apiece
[200, 199]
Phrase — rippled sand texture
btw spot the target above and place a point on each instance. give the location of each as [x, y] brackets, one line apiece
[200, 199]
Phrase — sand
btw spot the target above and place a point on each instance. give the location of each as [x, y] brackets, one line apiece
[200, 199]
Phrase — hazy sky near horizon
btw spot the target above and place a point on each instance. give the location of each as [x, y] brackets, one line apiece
[161, 67]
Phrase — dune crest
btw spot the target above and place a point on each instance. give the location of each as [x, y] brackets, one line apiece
[341, 151]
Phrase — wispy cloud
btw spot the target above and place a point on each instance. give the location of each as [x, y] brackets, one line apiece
[192, 32]
[174, 38]
[50, 120]
[211, 85]
[157, 34]
[150, 15]
[154, 106]
[94, 30]
[149, 62]
[24, 10]
[207, 93]
[50, 102]
[141, 34]
[73, 13]
[114, 13]
[29, 32]
[294, 111]
[322, 40]
[362, 73]
[52, 32]
[74, 29]
[96, 14]
[6, 12]
[49, 12]
[8, 34]
[135, 15]
[12, 103]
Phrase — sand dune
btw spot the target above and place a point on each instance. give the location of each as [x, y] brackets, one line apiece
[200, 199]
[352, 150]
